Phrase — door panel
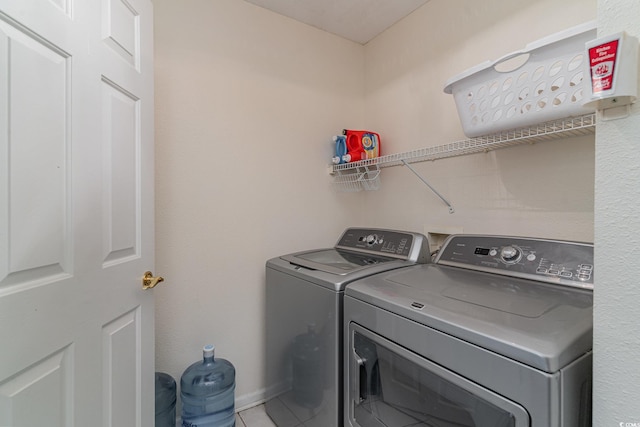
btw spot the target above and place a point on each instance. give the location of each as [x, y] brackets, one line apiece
[121, 25]
[49, 381]
[34, 181]
[76, 213]
[121, 368]
[121, 139]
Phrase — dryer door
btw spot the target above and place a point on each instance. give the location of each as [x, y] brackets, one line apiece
[389, 386]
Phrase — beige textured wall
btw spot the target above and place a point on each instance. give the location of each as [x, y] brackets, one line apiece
[246, 103]
[543, 190]
[617, 225]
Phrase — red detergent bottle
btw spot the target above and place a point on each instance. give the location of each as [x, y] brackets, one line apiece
[361, 145]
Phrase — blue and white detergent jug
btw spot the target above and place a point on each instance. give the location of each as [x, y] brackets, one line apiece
[340, 142]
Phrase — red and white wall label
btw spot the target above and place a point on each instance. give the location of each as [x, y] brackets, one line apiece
[602, 61]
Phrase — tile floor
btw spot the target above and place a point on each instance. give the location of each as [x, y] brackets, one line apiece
[254, 417]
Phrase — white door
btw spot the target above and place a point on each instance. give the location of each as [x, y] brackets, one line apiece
[76, 213]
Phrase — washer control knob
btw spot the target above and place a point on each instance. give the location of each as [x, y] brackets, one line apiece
[371, 239]
[510, 254]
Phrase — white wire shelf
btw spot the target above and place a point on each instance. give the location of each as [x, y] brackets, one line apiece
[357, 178]
[564, 128]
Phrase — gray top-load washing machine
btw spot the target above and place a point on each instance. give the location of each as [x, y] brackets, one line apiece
[496, 332]
[304, 298]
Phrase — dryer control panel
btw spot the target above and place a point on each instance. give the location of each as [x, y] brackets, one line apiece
[553, 261]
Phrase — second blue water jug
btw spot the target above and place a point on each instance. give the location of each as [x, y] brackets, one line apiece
[207, 392]
[165, 400]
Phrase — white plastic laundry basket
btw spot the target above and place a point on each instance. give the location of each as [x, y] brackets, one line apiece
[545, 81]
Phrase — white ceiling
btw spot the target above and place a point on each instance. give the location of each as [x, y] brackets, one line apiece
[356, 20]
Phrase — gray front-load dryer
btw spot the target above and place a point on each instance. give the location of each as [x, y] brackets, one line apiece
[497, 332]
[304, 298]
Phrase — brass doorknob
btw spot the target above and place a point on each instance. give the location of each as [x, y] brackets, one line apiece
[150, 282]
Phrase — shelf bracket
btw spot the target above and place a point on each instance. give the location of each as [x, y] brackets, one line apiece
[451, 210]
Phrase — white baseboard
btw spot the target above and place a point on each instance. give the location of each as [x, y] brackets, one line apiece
[258, 397]
[250, 400]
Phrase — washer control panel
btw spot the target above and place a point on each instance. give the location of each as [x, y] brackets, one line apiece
[397, 244]
[552, 261]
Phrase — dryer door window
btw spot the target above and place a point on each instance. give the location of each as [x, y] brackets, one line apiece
[390, 386]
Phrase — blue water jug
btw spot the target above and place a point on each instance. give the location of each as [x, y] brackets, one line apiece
[207, 392]
[165, 400]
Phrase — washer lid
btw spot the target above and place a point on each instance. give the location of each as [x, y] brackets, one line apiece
[541, 325]
[333, 277]
[336, 261]
[364, 248]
